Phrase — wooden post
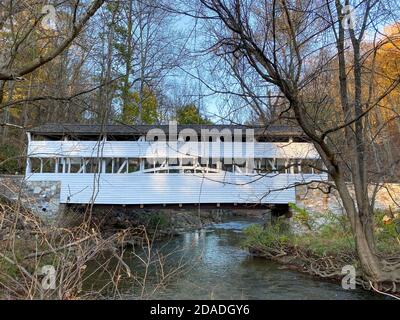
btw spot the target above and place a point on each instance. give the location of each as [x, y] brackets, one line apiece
[28, 168]
[103, 166]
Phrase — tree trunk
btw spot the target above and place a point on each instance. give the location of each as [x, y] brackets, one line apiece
[373, 266]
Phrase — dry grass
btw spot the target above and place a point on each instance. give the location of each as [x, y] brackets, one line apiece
[29, 245]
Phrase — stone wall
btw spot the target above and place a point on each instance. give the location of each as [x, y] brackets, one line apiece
[316, 199]
[45, 196]
[42, 197]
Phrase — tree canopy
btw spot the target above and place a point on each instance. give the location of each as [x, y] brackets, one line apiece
[189, 114]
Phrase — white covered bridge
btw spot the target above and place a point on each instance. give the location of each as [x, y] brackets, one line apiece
[164, 165]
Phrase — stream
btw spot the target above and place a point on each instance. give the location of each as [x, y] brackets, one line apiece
[213, 265]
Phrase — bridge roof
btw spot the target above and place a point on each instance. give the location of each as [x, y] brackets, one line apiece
[122, 130]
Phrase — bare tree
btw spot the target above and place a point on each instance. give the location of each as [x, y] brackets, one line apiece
[294, 46]
[146, 49]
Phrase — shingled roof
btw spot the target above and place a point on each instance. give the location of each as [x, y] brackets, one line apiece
[61, 129]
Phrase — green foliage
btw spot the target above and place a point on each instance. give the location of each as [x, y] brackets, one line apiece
[7, 269]
[131, 107]
[158, 220]
[333, 236]
[273, 236]
[303, 217]
[330, 234]
[387, 234]
[189, 114]
[9, 159]
[328, 240]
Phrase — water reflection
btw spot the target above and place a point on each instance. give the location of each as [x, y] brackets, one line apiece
[223, 270]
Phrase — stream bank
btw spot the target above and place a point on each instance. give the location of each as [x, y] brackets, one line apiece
[322, 245]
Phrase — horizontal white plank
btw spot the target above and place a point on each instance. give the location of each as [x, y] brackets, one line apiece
[142, 188]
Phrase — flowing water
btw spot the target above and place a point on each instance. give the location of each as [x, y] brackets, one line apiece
[215, 266]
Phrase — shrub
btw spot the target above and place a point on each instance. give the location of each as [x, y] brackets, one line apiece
[158, 220]
[303, 217]
[9, 159]
[330, 235]
[274, 236]
[387, 234]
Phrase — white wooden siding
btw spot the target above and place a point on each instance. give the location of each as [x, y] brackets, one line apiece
[142, 149]
[160, 188]
[173, 188]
